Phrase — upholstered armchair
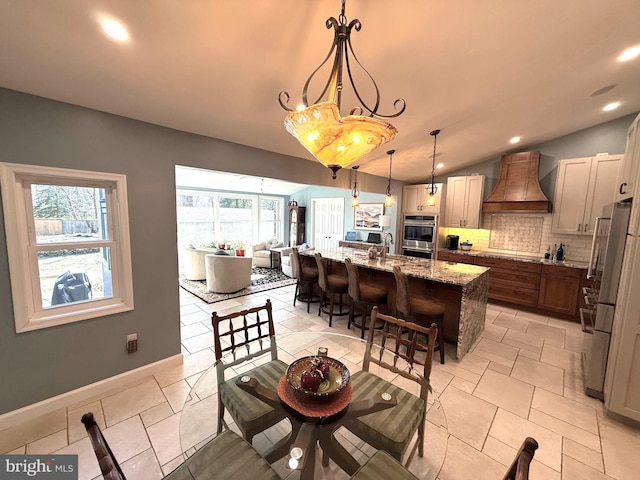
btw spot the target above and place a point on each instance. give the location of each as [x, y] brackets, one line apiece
[262, 252]
[194, 262]
[227, 274]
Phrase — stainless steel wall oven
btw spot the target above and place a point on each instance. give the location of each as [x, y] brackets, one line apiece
[419, 235]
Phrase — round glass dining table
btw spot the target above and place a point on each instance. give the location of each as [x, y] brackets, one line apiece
[199, 419]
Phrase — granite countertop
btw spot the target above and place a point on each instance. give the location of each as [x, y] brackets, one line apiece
[435, 270]
[520, 258]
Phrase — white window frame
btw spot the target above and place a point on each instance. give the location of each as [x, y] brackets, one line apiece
[22, 249]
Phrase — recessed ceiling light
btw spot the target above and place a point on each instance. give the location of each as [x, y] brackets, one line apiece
[114, 29]
[611, 106]
[440, 165]
[514, 140]
[629, 54]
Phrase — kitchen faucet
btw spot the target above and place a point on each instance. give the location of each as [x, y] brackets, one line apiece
[384, 244]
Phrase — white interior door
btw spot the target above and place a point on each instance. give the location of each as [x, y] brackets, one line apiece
[328, 222]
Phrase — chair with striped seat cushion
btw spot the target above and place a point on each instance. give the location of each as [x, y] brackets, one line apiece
[241, 337]
[391, 348]
[225, 456]
[383, 465]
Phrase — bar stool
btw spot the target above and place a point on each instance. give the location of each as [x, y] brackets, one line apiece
[421, 310]
[305, 277]
[331, 285]
[365, 294]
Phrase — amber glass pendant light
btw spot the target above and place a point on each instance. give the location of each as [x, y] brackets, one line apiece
[338, 141]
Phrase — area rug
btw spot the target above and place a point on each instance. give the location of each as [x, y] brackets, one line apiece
[262, 279]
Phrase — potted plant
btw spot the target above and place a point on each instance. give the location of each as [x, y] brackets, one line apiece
[240, 249]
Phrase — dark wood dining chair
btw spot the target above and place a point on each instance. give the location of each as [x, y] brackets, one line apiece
[226, 455]
[306, 277]
[420, 309]
[392, 430]
[331, 285]
[240, 337]
[362, 294]
[519, 469]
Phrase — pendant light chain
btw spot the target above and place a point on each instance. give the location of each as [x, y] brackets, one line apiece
[390, 153]
[433, 189]
[355, 201]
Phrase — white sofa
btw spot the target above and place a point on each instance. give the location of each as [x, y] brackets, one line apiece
[262, 253]
[194, 268]
[227, 274]
[286, 258]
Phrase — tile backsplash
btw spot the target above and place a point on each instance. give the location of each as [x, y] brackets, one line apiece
[519, 234]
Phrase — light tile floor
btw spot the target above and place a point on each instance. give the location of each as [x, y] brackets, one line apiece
[521, 378]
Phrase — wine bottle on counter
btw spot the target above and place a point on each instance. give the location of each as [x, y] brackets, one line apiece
[547, 254]
[554, 252]
[560, 253]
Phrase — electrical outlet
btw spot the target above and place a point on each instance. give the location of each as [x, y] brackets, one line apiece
[132, 343]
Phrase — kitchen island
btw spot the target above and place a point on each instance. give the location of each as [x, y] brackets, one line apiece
[462, 287]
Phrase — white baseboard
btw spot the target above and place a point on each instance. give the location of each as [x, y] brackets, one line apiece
[35, 410]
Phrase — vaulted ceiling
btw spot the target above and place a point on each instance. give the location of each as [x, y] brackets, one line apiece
[481, 71]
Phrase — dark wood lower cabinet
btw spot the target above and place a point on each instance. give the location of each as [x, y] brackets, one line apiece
[512, 281]
[560, 289]
[545, 288]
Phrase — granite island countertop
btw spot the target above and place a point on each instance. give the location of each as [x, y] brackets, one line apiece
[460, 274]
[519, 258]
[461, 286]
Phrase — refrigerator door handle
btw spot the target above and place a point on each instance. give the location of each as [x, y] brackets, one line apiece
[591, 269]
[586, 320]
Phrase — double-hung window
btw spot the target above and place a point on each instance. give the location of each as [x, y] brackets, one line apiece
[68, 244]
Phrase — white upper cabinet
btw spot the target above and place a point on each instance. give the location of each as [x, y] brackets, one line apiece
[414, 199]
[583, 187]
[627, 182]
[464, 201]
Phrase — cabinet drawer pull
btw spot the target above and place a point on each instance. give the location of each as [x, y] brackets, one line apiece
[579, 225]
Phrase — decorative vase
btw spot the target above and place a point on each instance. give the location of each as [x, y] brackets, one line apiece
[239, 253]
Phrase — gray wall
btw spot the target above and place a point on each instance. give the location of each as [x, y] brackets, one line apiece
[608, 137]
[33, 130]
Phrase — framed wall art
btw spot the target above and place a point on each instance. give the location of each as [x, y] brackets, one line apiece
[367, 216]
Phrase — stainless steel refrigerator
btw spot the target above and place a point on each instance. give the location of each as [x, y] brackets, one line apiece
[605, 267]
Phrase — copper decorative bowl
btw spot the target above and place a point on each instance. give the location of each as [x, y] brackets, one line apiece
[335, 381]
